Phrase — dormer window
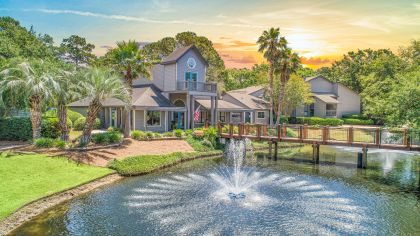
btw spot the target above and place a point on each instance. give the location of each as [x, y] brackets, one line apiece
[191, 76]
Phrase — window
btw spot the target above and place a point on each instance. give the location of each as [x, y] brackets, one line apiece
[261, 115]
[202, 117]
[222, 117]
[191, 76]
[331, 106]
[153, 118]
[235, 117]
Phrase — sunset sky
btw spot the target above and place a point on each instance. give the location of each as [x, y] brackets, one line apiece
[320, 31]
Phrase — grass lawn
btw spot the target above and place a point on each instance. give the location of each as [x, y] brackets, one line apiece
[25, 178]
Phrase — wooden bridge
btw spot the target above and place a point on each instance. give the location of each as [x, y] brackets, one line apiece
[401, 139]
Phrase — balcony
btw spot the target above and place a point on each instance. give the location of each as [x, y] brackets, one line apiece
[331, 113]
[196, 86]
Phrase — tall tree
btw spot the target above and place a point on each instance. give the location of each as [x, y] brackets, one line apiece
[76, 50]
[129, 60]
[297, 93]
[99, 84]
[269, 43]
[67, 92]
[286, 63]
[33, 81]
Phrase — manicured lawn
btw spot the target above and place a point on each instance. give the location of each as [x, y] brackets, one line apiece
[144, 164]
[25, 178]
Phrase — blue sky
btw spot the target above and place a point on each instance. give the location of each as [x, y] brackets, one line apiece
[320, 31]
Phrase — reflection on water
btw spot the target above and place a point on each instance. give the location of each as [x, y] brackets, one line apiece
[289, 195]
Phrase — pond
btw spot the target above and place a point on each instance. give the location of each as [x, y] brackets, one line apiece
[289, 196]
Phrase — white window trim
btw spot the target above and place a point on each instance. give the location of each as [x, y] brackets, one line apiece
[160, 119]
[258, 113]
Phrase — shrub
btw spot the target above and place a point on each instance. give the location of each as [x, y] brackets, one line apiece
[110, 129]
[107, 138]
[207, 143]
[80, 123]
[356, 116]
[73, 116]
[168, 134]
[352, 121]
[50, 127]
[44, 142]
[211, 135]
[60, 144]
[135, 134]
[189, 131]
[178, 133]
[15, 129]
[316, 121]
[150, 134]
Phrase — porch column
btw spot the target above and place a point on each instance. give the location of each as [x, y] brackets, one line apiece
[193, 110]
[185, 120]
[166, 121]
[134, 119]
[212, 103]
[144, 119]
[216, 100]
[187, 115]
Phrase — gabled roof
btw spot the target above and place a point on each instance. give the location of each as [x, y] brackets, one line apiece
[179, 52]
[221, 105]
[144, 96]
[327, 98]
[248, 90]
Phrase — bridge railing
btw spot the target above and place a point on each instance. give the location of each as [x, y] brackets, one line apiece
[401, 138]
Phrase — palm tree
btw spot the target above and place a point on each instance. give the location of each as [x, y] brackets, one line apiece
[66, 93]
[129, 60]
[286, 64]
[270, 42]
[35, 82]
[99, 84]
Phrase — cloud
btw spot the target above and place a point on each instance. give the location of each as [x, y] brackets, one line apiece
[242, 60]
[140, 19]
[237, 43]
[315, 61]
[417, 6]
[162, 6]
[369, 24]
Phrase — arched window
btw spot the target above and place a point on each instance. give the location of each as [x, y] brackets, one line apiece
[179, 103]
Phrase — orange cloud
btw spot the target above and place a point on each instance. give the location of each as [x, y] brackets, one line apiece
[317, 62]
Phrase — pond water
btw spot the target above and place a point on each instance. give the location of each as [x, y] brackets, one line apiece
[288, 196]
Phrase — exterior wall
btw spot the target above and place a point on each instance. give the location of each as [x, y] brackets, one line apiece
[320, 85]
[178, 96]
[81, 110]
[158, 76]
[349, 101]
[300, 111]
[319, 107]
[140, 122]
[227, 116]
[169, 83]
[200, 67]
[263, 121]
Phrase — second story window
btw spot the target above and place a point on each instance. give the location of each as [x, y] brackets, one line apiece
[191, 76]
[261, 115]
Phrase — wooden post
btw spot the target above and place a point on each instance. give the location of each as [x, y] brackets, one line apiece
[406, 139]
[284, 131]
[278, 133]
[259, 131]
[305, 132]
[301, 132]
[241, 130]
[265, 130]
[231, 130]
[276, 150]
[324, 135]
[315, 153]
[364, 157]
[219, 128]
[270, 149]
[378, 137]
[350, 135]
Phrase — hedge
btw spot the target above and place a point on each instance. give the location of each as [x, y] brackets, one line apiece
[50, 127]
[16, 129]
[109, 137]
[352, 121]
[316, 121]
[79, 124]
[72, 115]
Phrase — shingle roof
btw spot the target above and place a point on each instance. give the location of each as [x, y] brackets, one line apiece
[221, 105]
[144, 96]
[327, 98]
[179, 52]
[248, 90]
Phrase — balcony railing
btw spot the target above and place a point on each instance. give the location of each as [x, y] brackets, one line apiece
[330, 113]
[196, 86]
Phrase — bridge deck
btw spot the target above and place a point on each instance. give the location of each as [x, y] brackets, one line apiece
[403, 139]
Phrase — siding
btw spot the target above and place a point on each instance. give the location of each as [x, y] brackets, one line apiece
[158, 76]
[320, 85]
[320, 108]
[349, 101]
[170, 77]
[263, 121]
[200, 67]
[140, 122]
